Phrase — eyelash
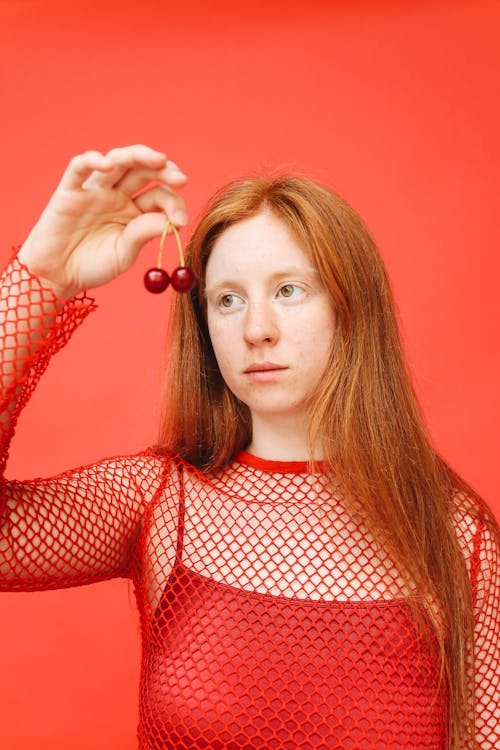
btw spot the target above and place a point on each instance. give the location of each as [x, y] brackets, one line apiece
[294, 287]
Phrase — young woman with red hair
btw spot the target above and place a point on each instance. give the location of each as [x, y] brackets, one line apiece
[310, 573]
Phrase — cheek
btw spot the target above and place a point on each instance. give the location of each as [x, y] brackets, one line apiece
[313, 335]
[221, 338]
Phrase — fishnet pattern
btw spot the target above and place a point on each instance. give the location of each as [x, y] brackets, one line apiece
[269, 616]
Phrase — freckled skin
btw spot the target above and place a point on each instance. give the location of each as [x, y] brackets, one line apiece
[266, 303]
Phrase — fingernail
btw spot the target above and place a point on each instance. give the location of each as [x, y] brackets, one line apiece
[174, 166]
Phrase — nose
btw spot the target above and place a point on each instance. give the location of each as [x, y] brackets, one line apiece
[260, 326]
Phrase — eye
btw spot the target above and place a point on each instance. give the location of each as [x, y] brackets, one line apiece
[289, 290]
[227, 301]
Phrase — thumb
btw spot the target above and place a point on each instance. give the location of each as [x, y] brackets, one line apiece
[137, 233]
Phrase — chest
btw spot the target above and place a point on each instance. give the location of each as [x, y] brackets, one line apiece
[298, 544]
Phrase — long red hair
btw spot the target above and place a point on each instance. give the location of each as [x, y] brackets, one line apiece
[366, 416]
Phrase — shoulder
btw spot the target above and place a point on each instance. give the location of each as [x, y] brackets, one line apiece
[151, 471]
[136, 478]
[145, 465]
[471, 513]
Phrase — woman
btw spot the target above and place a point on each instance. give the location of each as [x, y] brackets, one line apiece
[309, 571]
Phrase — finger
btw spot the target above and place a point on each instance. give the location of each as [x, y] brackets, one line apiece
[137, 179]
[81, 166]
[124, 159]
[161, 198]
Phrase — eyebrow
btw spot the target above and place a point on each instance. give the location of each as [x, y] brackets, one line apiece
[308, 272]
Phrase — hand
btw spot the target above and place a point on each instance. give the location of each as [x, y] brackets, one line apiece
[96, 223]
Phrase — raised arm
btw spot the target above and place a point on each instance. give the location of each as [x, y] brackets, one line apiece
[79, 526]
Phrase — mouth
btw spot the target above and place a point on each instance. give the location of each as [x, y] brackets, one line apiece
[265, 372]
[264, 367]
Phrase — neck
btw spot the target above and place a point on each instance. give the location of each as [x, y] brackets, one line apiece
[280, 438]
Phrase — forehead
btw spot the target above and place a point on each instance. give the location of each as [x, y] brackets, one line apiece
[263, 240]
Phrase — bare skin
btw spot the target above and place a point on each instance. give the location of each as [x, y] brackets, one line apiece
[104, 210]
[102, 213]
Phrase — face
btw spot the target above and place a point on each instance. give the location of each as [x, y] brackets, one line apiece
[270, 319]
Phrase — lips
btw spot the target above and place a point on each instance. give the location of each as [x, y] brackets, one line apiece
[264, 367]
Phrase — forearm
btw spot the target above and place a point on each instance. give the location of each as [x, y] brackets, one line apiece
[34, 324]
[28, 313]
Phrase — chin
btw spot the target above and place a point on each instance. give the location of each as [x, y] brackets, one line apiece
[279, 410]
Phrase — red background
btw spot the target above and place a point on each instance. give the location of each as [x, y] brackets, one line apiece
[393, 104]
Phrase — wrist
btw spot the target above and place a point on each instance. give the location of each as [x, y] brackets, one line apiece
[60, 291]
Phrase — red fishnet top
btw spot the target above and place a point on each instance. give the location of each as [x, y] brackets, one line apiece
[269, 616]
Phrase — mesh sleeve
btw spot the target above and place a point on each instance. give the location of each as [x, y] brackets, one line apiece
[34, 325]
[79, 526]
[487, 637]
[478, 538]
[76, 528]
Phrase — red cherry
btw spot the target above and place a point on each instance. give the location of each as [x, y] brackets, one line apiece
[156, 280]
[182, 279]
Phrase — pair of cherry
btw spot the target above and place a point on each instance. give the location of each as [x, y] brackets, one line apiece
[156, 280]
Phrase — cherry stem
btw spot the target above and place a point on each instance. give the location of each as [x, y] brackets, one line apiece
[174, 228]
